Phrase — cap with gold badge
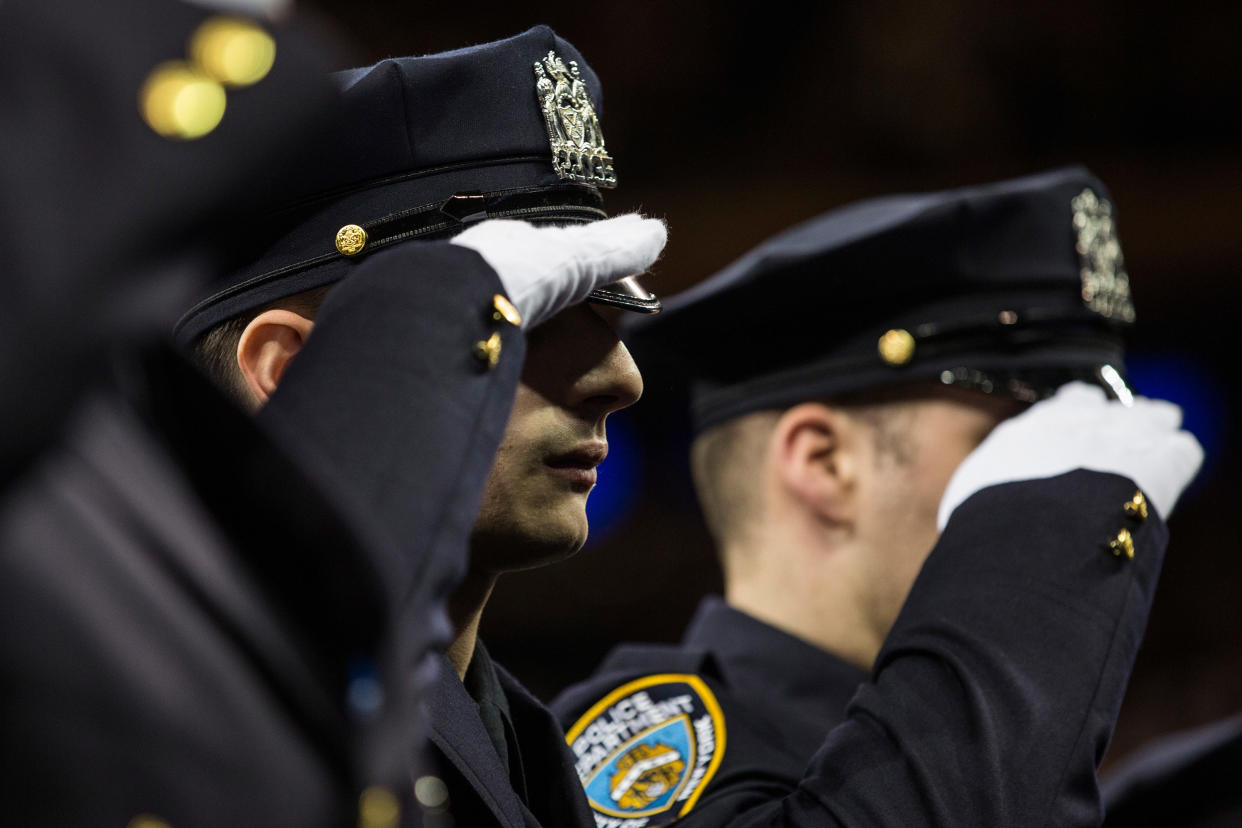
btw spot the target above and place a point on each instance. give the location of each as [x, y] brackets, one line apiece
[421, 147]
[1010, 288]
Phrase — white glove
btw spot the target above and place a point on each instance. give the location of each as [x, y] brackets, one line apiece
[1079, 428]
[546, 269]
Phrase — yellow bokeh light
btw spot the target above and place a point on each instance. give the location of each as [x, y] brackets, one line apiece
[378, 808]
[179, 102]
[147, 821]
[232, 51]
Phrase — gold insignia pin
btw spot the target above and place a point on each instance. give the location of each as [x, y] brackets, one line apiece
[1122, 544]
[896, 347]
[1136, 507]
[179, 101]
[233, 51]
[487, 350]
[350, 240]
[577, 141]
[502, 308]
[1105, 285]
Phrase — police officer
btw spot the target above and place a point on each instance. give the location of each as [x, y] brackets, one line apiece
[427, 148]
[857, 416]
[199, 629]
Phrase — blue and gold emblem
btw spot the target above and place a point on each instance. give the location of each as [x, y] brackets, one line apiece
[646, 751]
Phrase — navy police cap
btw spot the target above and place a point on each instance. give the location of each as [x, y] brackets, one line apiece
[1010, 288]
[419, 147]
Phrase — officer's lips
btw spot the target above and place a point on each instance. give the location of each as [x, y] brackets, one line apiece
[577, 466]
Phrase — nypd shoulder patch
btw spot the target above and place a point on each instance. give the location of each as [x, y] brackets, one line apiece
[646, 751]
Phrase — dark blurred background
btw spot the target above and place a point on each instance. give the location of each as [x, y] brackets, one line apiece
[734, 120]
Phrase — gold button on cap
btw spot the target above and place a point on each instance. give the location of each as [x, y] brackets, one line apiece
[179, 101]
[378, 808]
[502, 308]
[488, 351]
[1136, 507]
[896, 347]
[233, 51]
[350, 240]
[1123, 544]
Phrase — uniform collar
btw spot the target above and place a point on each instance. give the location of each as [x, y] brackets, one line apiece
[484, 686]
[552, 794]
[756, 656]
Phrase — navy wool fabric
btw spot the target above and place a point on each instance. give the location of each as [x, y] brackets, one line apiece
[110, 225]
[388, 404]
[405, 133]
[779, 694]
[534, 784]
[993, 697]
[984, 279]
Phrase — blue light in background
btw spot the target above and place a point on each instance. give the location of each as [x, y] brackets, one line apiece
[616, 489]
[1183, 380]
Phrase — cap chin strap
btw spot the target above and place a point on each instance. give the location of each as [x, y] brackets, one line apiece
[566, 203]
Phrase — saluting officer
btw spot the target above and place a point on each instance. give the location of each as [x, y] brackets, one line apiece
[932, 605]
[198, 629]
[428, 148]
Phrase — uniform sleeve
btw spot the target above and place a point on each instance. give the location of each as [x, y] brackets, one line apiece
[995, 694]
[400, 397]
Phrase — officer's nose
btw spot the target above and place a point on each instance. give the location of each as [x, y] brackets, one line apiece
[612, 383]
[577, 361]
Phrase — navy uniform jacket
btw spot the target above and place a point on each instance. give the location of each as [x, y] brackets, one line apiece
[106, 220]
[1189, 779]
[198, 623]
[188, 611]
[500, 752]
[990, 703]
[790, 692]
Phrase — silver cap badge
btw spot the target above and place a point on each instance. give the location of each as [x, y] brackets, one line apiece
[578, 152]
[1105, 285]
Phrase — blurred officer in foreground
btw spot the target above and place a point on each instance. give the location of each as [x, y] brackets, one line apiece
[1186, 779]
[931, 610]
[111, 212]
[198, 629]
[427, 148]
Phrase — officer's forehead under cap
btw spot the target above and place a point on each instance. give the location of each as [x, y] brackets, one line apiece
[418, 148]
[1014, 287]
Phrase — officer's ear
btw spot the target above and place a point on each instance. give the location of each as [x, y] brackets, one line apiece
[818, 460]
[266, 347]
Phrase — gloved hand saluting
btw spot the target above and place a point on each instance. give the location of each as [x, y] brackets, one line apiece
[1079, 428]
[546, 269]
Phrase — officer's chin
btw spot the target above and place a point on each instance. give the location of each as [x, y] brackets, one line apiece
[548, 543]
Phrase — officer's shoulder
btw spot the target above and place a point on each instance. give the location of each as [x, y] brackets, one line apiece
[647, 731]
[627, 663]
